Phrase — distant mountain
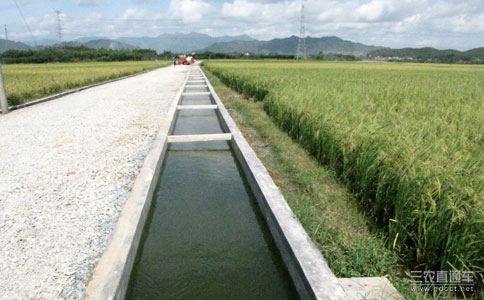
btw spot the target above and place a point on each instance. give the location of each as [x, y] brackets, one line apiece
[478, 52]
[67, 44]
[11, 45]
[429, 54]
[41, 43]
[90, 38]
[330, 44]
[109, 44]
[179, 42]
[97, 44]
[198, 42]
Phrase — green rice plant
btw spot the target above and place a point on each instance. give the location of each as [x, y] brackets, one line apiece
[408, 139]
[25, 82]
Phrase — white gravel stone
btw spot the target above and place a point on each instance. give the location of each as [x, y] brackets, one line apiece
[66, 168]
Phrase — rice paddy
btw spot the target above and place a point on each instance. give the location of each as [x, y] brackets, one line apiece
[25, 82]
[407, 139]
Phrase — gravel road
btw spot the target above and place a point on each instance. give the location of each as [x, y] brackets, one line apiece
[66, 167]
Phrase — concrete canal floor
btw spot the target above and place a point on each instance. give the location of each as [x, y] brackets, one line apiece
[66, 167]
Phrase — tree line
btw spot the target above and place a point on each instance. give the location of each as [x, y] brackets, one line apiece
[79, 54]
[84, 54]
[473, 56]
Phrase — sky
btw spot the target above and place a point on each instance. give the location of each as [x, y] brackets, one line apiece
[457, 24]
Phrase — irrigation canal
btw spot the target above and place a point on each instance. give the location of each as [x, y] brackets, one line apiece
[205, 237]
[205, 220]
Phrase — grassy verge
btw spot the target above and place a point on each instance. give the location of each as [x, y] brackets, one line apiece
[27, 82]
[325, 208]
[406, 139]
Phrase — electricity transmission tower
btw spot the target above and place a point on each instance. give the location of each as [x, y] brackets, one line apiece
[301, 46]
[59, 26]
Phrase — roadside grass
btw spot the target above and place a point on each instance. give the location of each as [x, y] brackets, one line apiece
[26, 82]
[346, 237]
[406, 139]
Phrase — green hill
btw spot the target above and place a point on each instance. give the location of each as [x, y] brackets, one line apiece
[330, 44]
[11, 45]
[180, 42]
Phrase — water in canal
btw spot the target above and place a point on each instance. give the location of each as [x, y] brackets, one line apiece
[205, 238]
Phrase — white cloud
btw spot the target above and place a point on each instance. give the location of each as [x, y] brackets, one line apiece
[133, 13]
[188, 11]
[275, 12]
[440, 23]
[87, 2]
[373, 10]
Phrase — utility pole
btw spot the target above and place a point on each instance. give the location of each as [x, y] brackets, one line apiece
[301, 46]
[6, 37]
[3, 95]
[59, 26]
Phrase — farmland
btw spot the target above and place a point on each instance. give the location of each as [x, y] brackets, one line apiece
[25, 82]
[407, 139]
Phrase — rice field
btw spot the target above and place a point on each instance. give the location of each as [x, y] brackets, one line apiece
[408, 139]
[25, 82]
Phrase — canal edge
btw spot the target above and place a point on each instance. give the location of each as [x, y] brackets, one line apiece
[307, 267]
[354, 288]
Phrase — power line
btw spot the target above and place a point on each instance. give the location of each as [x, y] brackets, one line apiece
[26, 25]
[301, 46]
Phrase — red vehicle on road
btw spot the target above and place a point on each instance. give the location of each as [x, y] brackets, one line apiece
[186, 61]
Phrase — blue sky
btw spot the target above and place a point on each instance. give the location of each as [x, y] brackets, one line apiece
[442, 24]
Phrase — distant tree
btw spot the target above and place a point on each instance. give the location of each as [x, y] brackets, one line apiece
[474, 56]
[76, 54]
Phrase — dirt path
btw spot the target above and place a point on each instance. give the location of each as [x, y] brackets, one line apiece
[66, 167]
